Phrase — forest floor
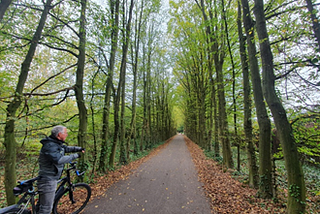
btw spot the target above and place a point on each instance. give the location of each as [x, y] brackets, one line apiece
[223, 193]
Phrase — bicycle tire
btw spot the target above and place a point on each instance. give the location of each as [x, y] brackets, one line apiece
[81, 194]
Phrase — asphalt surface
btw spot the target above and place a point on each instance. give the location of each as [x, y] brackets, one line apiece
[165, 184]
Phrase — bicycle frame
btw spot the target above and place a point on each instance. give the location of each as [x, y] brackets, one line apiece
[23, 203]
[30, 200]
[29, 195]
[67, 180]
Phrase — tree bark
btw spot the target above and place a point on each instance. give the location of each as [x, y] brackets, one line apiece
[114, 8]
[144, 122]
[216, 123]
[265, 167]
[252, 165]
[126, 37]
[297, 192]
[147, 108]
[246, 94]
[234, 80]
[218, 57]
[82, 131]
[315, 22]
[4, 4]
[135, 56]
[9, 139]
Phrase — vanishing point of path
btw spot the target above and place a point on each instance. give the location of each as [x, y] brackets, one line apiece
[165, 184]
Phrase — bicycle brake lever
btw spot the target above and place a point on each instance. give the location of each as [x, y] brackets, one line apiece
[79, 174]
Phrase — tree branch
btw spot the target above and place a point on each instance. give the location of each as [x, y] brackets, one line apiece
[50, 93]
[71, 66]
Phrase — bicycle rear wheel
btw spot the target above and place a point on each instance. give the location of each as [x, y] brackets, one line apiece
[80, 193]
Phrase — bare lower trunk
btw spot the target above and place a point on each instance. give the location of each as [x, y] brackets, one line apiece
[297, 191]
[82, 132]
[265, 169]
[246, 99]
[114, 8]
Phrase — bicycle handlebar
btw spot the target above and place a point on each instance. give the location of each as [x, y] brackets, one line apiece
[24, 186]
[28, 181]
[73, 166]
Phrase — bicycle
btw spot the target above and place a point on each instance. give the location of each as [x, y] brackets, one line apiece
[69, 197]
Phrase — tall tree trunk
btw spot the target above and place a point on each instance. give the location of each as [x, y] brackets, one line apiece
[116, 106]
[246, 91]
[135, 56]
[297, 191]
[265, 166]
[82, 132]
[118, 130]
[114, 8]
[144, 120]
[218, 57]
[315, 21]
[148, 97]
[94, 135]
[233, 82]
[212, 106]
[9, 139]
[223, 124]
[126, 36]
[253, 170]
[216, 123]
[4, 4]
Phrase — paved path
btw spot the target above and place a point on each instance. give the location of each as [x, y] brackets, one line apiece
[165, 184]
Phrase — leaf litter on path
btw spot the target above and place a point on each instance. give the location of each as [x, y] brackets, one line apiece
[226, 194]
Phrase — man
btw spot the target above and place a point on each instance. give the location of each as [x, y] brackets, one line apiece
[51, 163]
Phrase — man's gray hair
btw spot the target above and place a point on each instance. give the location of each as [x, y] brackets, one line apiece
[56, 130]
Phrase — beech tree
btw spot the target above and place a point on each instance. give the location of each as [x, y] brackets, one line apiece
[215, 31]
[123, 68]
[135, 53]
[247, 120]
[9, 138]
[315, 21]
[265, 168]
[296, 186]
[114, 19]
[79, 79]
[4, 4]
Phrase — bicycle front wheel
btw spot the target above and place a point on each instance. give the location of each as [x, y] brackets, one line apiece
[72, 200]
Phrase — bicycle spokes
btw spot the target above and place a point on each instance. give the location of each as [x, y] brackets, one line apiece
[73, 200]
